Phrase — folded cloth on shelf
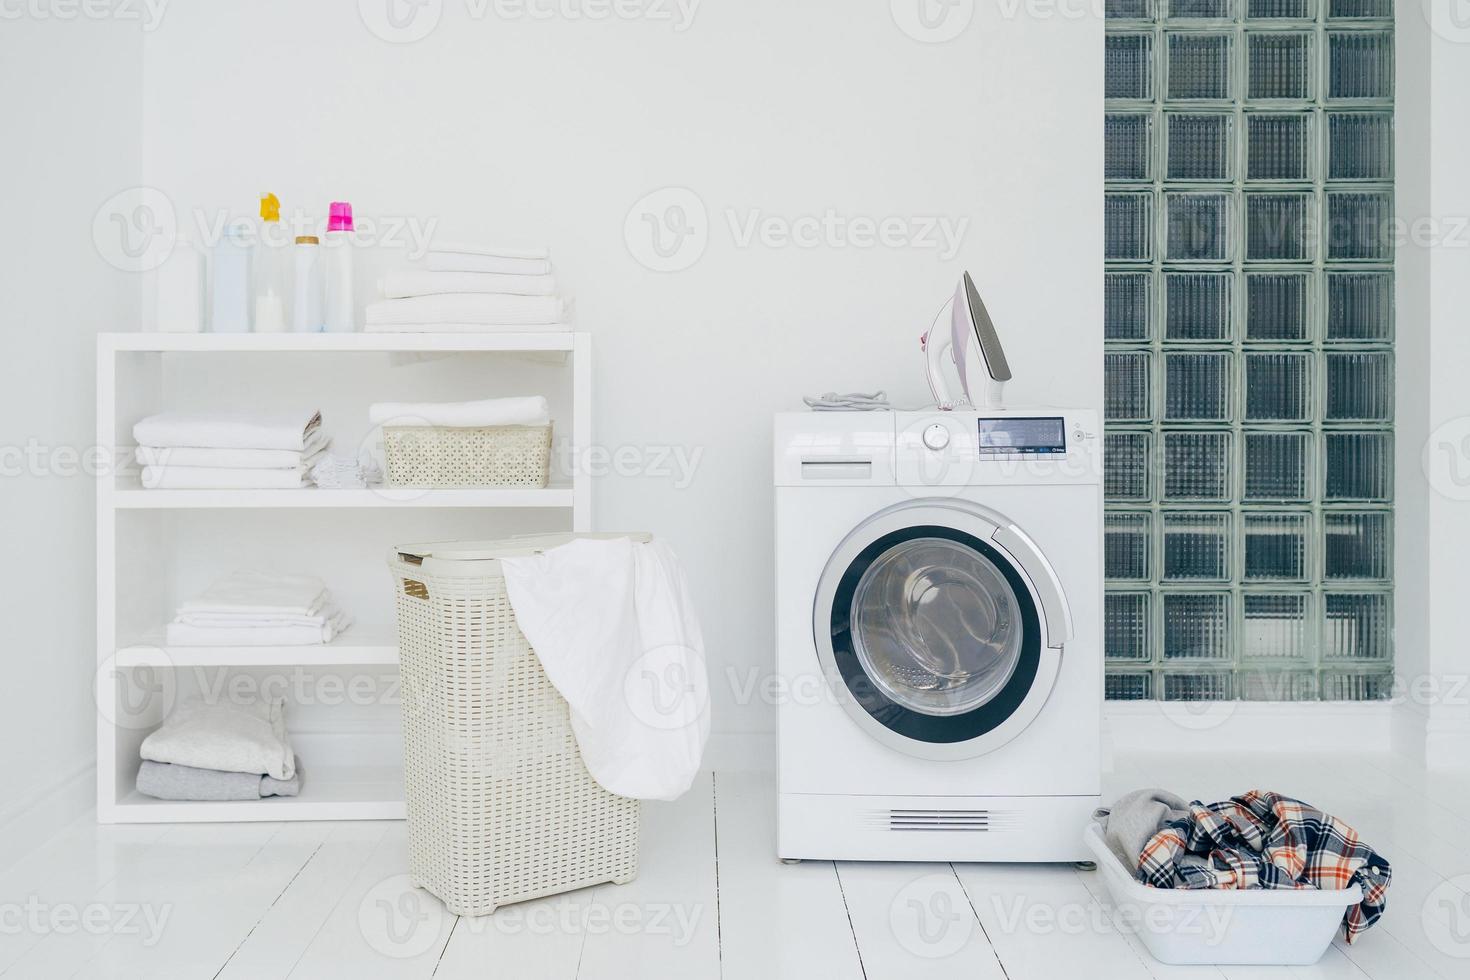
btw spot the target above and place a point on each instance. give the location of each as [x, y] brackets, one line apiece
[215, 478]
[418, 282]
[495, 251]
[529, 410]
[1265, 840]
[182, 634]
[500, 265]
[255, 592]
[235, 459]
[228, 736]
[496, 309]
[335, 472]
[166, 781]
[598, 612]
[228, 430]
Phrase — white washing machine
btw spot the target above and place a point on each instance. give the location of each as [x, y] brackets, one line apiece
[939, 631]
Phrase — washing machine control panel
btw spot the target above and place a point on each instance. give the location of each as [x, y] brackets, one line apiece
[1017, 435]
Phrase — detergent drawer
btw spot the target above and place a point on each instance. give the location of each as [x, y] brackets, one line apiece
[853, 449]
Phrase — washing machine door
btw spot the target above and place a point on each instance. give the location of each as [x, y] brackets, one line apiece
[940, 628]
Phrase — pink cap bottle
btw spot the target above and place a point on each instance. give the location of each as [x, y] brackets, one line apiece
[339, 216]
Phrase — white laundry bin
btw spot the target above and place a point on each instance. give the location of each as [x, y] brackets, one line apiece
[1280, 927]
[501, 807]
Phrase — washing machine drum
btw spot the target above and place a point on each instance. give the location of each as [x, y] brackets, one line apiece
[931, 633]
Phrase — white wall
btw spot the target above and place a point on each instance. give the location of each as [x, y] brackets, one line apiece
[524, 130]
[72, 130]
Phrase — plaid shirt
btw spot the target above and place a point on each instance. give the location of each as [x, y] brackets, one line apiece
[1266, 840]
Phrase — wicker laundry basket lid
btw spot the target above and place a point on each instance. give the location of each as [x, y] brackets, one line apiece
[446, 556]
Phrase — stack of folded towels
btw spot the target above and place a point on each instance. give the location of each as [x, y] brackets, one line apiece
[470, 289]
[220, 751]
[255, 608]
[229, 451]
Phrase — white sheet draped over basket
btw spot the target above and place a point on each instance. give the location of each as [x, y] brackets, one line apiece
[616, 633]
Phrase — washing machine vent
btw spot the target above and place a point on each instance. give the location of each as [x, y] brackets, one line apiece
[970, 821]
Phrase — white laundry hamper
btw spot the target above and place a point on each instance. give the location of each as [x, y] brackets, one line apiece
[501, 807]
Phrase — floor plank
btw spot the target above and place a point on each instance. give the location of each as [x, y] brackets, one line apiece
[914, 921]
[663, 923]
[381, 926]
[1044, 923]
[776, 920]
[278, 937]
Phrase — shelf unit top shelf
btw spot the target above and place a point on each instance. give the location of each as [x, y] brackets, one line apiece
[510, 341]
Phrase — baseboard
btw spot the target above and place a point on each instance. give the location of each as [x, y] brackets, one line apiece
[46, 808]
[1447, 739]
[1265, 726]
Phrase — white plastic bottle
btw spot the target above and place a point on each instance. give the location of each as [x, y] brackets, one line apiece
[230, 286]
[179, 303]
[306, 285]
[337, 270]
[270, 270]
[269, 274]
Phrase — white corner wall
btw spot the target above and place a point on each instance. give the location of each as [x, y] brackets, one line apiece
[505, 128]
[72, 127]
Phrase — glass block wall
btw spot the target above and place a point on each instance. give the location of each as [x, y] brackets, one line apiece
[1249, 349]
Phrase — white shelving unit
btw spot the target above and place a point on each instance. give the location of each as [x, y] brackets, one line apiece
[157, 547]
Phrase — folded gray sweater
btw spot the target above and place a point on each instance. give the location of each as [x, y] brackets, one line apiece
[167, 781]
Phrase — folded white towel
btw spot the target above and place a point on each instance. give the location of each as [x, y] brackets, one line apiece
[494, 308]
[256, 592]
[466, 262]
[236, 459]
[226, 736]
[496, 251]
[531, 410]
[216, 478]
[185, 635]
[228, 430]
[417, 282]
[466, 328]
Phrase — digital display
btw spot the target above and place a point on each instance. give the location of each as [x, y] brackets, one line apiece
[1023, 435]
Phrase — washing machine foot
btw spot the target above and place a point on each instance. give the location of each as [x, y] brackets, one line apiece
[791, 860]
[1085, 865]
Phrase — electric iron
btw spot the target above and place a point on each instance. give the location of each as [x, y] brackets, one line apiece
[969, 325]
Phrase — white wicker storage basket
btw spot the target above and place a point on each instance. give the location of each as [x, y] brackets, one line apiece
[489, 456]
[501, 807]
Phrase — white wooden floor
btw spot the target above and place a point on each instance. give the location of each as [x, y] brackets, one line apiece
[330, 900]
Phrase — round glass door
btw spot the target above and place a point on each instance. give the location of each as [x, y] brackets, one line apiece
[936, 626]
[934, 635]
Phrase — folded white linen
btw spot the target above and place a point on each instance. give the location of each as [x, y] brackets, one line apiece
[529, 410]
[226, 736]
[216, 478]
[256, 592]
[236, 459]
[418, 282]
[604, 617]
[178, 634]
[494, 308]
[228, 430]
[466, 328]
[338, 472]
[495, 251]
[466, 262]
[326, 614]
